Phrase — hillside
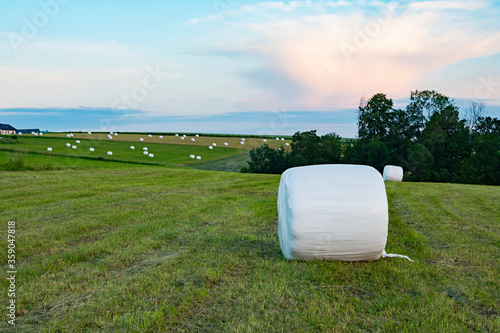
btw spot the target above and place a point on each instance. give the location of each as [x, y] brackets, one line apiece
[154, 248]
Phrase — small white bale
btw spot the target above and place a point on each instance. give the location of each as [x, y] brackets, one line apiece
[214, 144]
[89, 132]
[115, 134]
[282, 139]
[277, 139]
[210, 147]
[141, 139]
[264, 140]
[192, 139]
[287, 144]
[132, 147]
[144, 148]
[198, 157]
[20, 133]
[151, 155]
[110, 153]
[279, 148]
[49, 149]
[110, 137]
[73, 147]
[161, 136]
[393, 173]
[334, 212]
[242, 139]
[191, 156]
[184, 135]
[149, 135]
[68, 145]
[145, 152]
[197, 135]
[77, 141]
[226, 144]
[242, 142]
[182, 138]
[176, 134]
[41, 134]
[110, 132]
[92, 149]
[68, 135]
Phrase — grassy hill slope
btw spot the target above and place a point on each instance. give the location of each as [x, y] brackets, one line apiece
[158, 249]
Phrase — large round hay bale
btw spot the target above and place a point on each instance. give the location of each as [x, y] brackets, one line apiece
[393, 173]
[334, 212]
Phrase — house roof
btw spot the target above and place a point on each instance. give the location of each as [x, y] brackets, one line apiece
[7, 127]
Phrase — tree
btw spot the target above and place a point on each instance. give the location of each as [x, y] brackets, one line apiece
[473, 114]
[374, 118]
[267, 160]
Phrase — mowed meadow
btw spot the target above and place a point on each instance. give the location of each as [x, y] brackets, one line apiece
[128, 243]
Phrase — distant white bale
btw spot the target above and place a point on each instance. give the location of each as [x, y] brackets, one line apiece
[132, 147]
[287, 144]
[282, 139]
[20, 133]
[115, 134]
[77, 141]
[145, 152]
[91, 149]
[264, 140]
[141, 139]
[192, 139]
[226, 144]
[182, 138]
[110, 132]
[73, 147]
[176, 134]
[49, 149]
[144, 148]
[151, 155]
[110, 153]
[89, 132]
[110, 137]
[198, 157]
[214, 144]
[242, 143]
[184, 135]
[191, 156]
[197, 135]
[210, 147]
[161, 136]
[277, 139]
[335, 212]
[41, 134]
[33, 133]
[72, 135]
[68, 145]
[149, 135]
[393, 173]
[242, 139]
[279, 148]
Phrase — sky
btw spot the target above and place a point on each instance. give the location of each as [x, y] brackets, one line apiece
[237, 66]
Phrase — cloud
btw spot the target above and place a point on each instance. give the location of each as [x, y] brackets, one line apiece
[337, 56]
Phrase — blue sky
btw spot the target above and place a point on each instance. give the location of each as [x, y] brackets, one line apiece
[237, 66]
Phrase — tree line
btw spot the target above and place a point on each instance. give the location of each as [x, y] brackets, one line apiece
[427, 138]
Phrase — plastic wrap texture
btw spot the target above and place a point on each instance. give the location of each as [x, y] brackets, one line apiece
[334, 212]
[393, 173]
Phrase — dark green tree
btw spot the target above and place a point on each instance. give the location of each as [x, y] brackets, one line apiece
[267, 160]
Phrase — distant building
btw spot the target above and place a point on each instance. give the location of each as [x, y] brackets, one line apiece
[28, 131]
[7, 129]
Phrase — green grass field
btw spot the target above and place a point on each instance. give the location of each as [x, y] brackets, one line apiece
[113, 246]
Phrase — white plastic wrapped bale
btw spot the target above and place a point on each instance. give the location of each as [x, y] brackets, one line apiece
[210, 147]
[226, 144]
[191, 156]
[393, 173]
[91, 149]
[110, 153]
[132, 147]
[334, 212]
[49, 148]
[151, 155]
